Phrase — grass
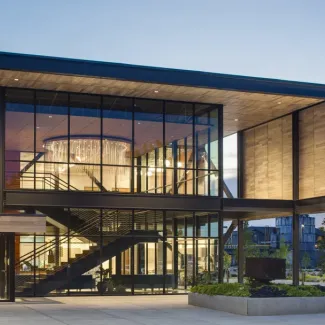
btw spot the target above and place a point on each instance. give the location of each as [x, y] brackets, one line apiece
[245, 290]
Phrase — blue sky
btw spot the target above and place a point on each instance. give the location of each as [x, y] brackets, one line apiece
[276, 38]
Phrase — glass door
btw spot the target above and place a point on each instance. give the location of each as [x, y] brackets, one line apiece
[6, 267]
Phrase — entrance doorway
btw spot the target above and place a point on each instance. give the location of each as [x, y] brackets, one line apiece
[7, 269]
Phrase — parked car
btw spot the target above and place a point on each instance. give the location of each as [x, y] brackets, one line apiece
[233, 271]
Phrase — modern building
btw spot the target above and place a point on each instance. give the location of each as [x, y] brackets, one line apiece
[114, 178]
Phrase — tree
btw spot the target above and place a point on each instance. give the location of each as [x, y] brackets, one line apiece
[226, 263]
[321, 248]
[305, 262]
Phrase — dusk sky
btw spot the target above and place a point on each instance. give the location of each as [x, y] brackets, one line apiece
[276, 39]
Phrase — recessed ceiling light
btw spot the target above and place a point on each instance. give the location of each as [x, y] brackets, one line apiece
[236, 119]
[50, 116]
[37, 127]
[139, 123]
[16, 79]
[156, 91]
[279, 103]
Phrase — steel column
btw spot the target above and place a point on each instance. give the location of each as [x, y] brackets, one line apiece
[295, 194]
[2, 146]
[220, 248]
[241, 251]
[220, 151]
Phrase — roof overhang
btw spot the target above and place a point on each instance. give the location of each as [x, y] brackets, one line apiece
[247, 101]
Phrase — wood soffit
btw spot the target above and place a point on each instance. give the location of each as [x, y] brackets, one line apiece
[241, 109]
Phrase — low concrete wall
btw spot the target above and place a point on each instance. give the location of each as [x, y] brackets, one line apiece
[259, 306]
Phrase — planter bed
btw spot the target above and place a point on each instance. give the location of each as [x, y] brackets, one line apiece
[252, 302]
[259, 306]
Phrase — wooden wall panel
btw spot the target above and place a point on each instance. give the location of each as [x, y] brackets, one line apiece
[261, 163]
[249, 158]
[306, 153]
[312, 152]
[270, 145]
[287, 158]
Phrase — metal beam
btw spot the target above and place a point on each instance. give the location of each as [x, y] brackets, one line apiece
[229, 231]
[97, 200]
[255, 205]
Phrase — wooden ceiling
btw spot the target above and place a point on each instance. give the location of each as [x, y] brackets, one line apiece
[241, 109]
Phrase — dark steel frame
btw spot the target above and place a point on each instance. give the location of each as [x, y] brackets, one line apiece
[10, 236]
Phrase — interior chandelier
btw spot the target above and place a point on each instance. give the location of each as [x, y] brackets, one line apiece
[88, 150]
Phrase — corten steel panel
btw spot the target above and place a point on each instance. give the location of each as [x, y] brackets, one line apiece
[267, 160]
[312, 152]
[109, 201]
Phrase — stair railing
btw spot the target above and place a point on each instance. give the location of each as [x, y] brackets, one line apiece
[49, 245]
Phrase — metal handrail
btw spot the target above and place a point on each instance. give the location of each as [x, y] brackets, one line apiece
[120, 232]
[49, 245]
[180, 182]
[61, 182]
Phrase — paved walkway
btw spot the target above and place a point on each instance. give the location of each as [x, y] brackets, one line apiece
[137, 310]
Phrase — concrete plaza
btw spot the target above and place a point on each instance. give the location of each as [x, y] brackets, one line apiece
[136, 310]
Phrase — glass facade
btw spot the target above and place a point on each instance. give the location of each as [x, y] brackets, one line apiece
[118, 252]
[76, 142]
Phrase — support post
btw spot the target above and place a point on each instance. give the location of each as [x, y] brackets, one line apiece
[220, 248]
[175, 252]
[295, 248]
[241, 251]
[220, 194]
[11, 236]
[220, 152]
[2, 146]
[295, 196]
[240, 164]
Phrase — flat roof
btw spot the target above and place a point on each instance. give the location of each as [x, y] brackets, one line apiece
[138, 73]
[248, 101]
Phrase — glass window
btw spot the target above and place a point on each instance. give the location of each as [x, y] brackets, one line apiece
[179, 145]
[148, 144]
[19, 138]
[85, 143]
[117, 131]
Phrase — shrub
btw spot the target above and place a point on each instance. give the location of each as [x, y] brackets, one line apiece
[245, 290]
[222, 289]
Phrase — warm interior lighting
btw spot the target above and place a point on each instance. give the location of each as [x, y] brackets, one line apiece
[87, 150]
[156, 91]
[16, 79]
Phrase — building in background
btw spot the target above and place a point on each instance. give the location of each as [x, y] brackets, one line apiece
[270, 238]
